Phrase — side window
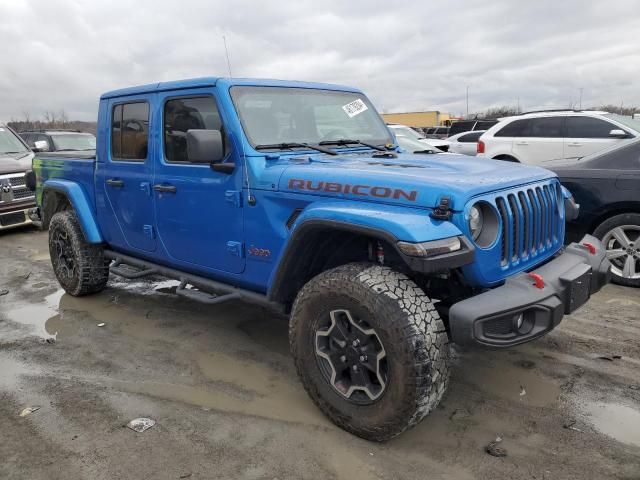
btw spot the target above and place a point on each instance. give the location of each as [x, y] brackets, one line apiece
[470, 137]
[588, 127]
[28, 139]
[130, 131]
[546, 127]
[517, 128]
[183, 114]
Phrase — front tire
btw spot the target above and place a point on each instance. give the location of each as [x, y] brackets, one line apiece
[620, 236]
[370, 349]
[79, 266]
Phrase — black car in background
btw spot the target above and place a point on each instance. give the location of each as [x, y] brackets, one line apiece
[59, 140]
[470, 125]
[607, 187]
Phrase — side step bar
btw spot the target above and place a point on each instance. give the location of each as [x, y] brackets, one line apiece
[207, 289]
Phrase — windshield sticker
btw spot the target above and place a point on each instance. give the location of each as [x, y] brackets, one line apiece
[354, 108]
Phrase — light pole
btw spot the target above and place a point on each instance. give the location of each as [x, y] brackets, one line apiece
[467, 117]
[580, 103]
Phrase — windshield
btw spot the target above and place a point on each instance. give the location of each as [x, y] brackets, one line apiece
[72, 141]
[407, 132]
[412, 145]
[281, 115]
[9, 143]
[626, 121]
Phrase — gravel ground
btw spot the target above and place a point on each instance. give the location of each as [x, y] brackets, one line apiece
[222, 387]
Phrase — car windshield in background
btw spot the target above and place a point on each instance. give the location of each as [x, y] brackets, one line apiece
[72, 141]
[626, 121]
[272, 116]
[408, 132]
[9, 143]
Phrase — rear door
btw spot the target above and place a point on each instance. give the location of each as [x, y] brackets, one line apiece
[128, 173]
[587, 135]
[198, 210]
[542, 140]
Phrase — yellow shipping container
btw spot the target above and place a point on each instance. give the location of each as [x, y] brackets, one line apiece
[418, 119]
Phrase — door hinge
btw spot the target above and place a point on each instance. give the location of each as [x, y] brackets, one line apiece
[443, 210]
[148, 231]
[233, 197]
[235, 248]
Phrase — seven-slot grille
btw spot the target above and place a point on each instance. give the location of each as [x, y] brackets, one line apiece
[13, 187]
[531, 221]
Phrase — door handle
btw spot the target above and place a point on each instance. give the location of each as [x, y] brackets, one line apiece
[574, 144]
[115, 183]
[166, 188]
[522, 143]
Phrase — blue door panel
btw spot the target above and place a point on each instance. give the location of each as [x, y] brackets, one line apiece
[201, 222]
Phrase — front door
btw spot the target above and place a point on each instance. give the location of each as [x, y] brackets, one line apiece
[587, 135]
[198, 210]
[128, 174]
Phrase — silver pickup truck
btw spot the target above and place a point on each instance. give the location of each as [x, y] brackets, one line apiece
[15, 198]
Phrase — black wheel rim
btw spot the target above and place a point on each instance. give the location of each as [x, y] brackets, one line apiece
[351, 357]
[63, 255]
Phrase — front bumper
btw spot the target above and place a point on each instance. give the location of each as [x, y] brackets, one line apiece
[15, 218]
[530, 305]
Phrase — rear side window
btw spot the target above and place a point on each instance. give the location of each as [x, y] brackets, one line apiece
[183, 114]
[130, 131]
[588, 127]
[517, 128]
[545, 127]
[470, 137]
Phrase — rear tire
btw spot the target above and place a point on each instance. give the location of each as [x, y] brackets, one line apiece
[618, 253]
[79, 266]
[400, 330]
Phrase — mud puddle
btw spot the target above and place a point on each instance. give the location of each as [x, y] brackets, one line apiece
[615, 420]
[36, 315]
[504, 377]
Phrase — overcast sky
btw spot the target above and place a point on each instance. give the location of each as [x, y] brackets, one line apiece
[406, 55]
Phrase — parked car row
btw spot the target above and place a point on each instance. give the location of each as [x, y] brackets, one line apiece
[597, 157]
[16, 154]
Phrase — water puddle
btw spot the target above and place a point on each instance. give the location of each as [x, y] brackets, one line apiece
[272, 397]
[615, 420]
[515, 383]
[35, 315]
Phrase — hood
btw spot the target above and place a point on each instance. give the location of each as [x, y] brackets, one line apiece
[15, 163]
[412, 180]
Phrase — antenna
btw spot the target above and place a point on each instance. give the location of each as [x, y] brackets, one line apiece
[226, 50]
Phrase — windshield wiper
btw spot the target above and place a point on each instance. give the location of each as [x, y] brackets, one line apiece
[287, 145]
[346, 141]
[10, 153]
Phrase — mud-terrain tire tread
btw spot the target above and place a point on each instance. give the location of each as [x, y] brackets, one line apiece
[414, 323]
[609, 224]
[93, 267]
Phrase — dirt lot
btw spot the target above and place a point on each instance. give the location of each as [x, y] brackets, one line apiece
[222, 387]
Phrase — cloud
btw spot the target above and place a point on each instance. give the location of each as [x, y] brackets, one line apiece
[407, 55]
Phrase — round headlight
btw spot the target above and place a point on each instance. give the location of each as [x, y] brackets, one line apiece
[476, 220]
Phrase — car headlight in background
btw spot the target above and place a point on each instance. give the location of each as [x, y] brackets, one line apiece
[476, 220]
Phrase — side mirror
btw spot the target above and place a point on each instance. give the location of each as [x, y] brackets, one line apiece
[40, 146]
[205, 146]
[618, 133]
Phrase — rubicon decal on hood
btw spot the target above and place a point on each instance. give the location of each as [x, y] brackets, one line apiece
[346, 188]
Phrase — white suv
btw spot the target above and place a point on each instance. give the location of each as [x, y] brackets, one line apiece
[537, 137]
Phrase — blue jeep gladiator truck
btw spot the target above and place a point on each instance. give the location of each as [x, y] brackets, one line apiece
[296, 195]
